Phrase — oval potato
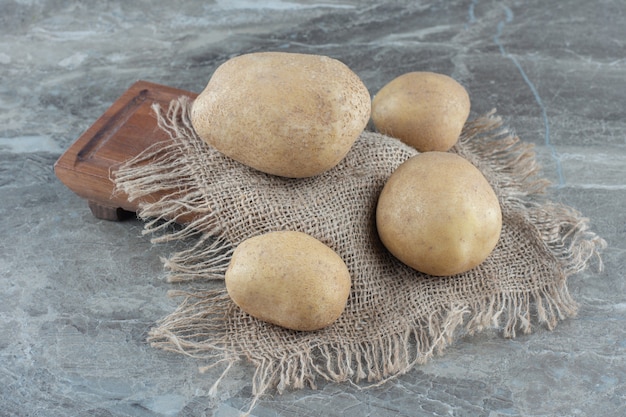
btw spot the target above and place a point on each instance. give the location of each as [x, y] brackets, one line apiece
[425, 110]
[438, 214]
[289, 279]
[286, 114]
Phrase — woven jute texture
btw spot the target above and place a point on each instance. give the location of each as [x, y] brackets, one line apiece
[396, 317]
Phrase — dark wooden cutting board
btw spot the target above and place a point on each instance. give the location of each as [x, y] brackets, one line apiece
[127, 128]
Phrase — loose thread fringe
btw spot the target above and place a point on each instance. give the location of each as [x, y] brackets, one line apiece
[182, 210]
[207, 260]
[196, 328]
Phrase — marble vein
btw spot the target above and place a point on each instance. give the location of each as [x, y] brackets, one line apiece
[544, 113]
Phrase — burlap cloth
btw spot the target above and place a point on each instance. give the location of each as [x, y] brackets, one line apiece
[395, 317]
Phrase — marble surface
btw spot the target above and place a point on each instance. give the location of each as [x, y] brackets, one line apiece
[78, 294]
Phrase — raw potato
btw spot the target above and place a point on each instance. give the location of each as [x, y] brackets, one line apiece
[287, 114]
[438, 214]
[423, 109]
[289, 279]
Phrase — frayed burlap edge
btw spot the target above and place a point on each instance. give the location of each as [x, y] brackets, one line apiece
[494, 149]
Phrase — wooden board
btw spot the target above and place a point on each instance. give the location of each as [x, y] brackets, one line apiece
[128, 127]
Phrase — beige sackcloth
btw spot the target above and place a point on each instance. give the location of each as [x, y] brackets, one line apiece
[395, 317]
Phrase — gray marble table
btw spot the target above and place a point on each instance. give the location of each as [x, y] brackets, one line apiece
[78, 294]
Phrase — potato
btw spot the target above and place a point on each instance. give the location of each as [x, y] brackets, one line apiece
[289, 279]
[438, 214]
[286, 114]
[425, 110]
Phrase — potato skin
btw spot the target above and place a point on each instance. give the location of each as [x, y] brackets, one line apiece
[286, 114]
[438, 214]
[289, 279]
[425, 110]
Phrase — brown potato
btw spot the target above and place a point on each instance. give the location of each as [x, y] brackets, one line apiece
[289, 279]
[425, 110]
[287, 114]
[438, 214]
